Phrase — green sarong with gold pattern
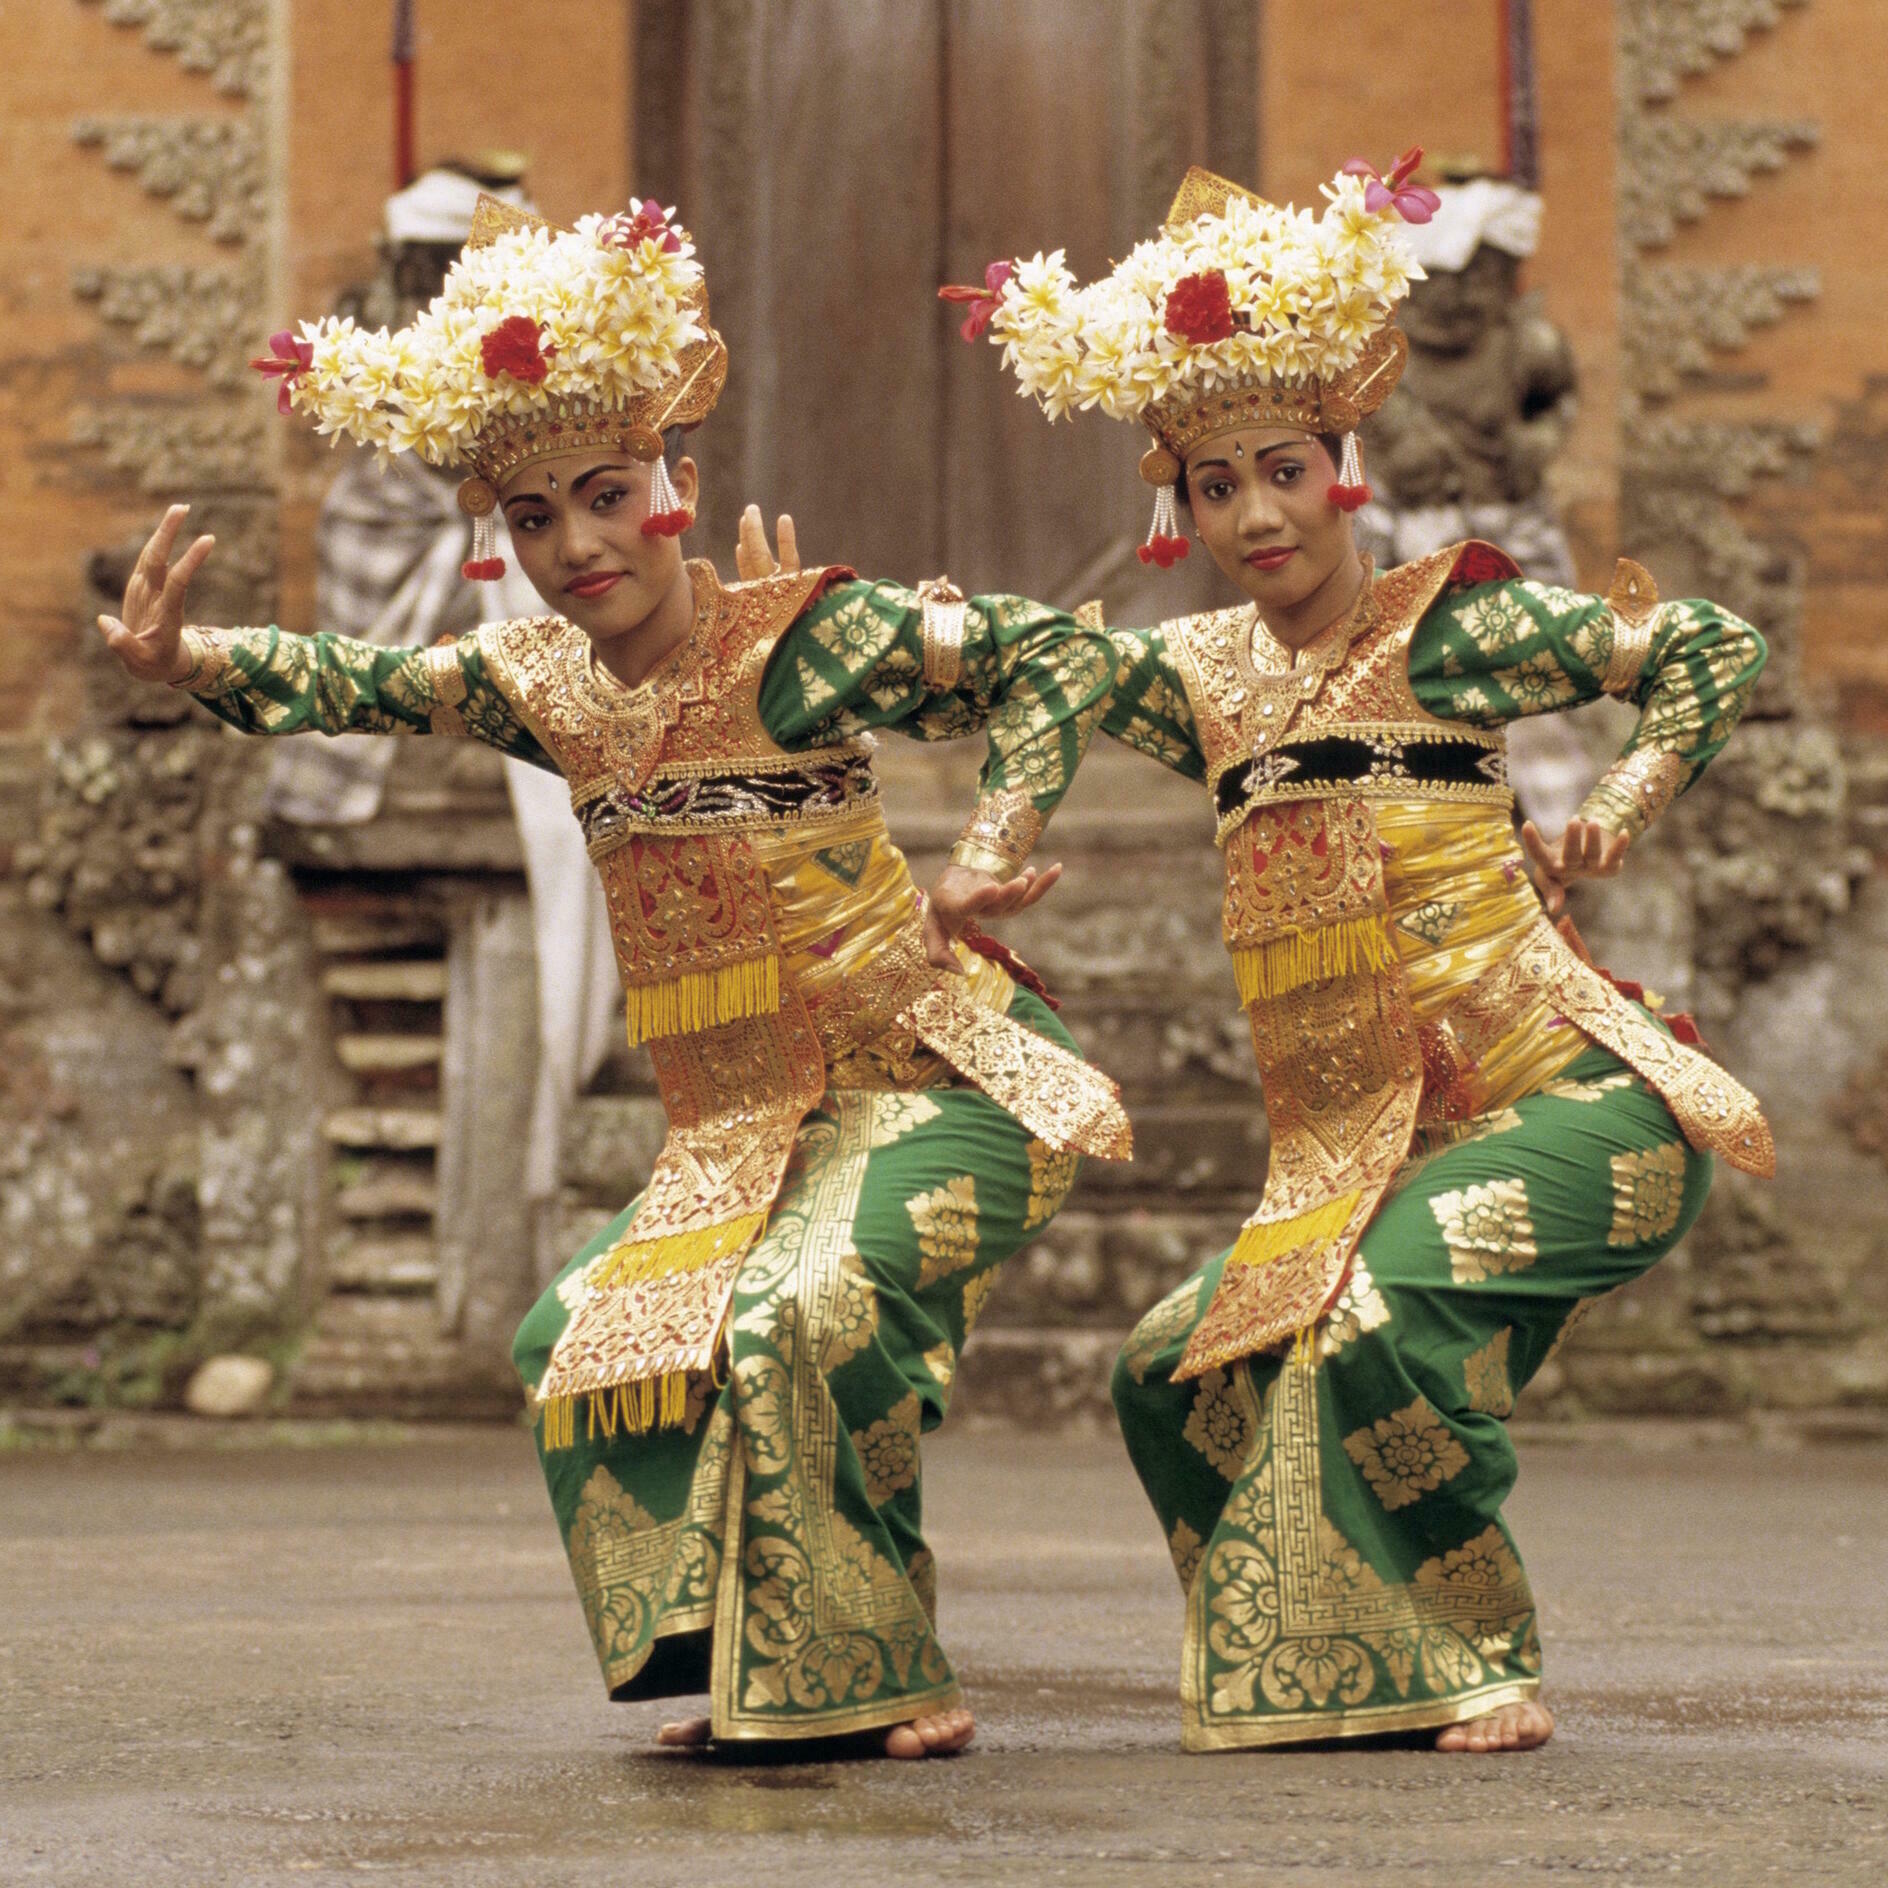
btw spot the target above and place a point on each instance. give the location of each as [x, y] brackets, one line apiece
[771, 1551]
[1334, 1513]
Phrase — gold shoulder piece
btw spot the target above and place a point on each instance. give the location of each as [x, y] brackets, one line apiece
[1089, 614]
[1634, 603]
[943, 608]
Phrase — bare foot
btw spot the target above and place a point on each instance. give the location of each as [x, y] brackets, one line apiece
[1513, 1727]
[938, 1734]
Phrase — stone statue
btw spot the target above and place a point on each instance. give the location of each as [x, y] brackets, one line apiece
[1487, 399]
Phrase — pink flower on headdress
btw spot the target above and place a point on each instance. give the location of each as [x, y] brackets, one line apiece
[647, 222]
[983, 302]
[513, 348]
[1414, 203]
[288, 360]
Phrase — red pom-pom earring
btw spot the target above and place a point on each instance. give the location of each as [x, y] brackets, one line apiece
[1165, 546]
[478, 499]
[1351, 492]
[668, 516]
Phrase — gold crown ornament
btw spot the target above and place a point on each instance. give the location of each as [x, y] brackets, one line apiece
[543, 341]
[1238, 313]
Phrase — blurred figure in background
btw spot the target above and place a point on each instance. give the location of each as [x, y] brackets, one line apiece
[389, 547]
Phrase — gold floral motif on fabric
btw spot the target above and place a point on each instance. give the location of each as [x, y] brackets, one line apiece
[1648, 1195]
[1219, 1425]
[1170, 1319]
[1359, 1309]
[888, 1451]
[1487, 1229]
[1290, 1631]
[1186, 1547]
[1051, 1175]
[1405, 1455]
[854, 1323]
[946, 1222]
[896, 1116]
[976, 1295]
[1485, 1373]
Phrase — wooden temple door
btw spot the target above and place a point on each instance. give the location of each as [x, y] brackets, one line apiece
[837, 161]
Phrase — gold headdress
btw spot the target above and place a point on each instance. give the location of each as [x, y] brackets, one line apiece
[1237, 313]
[543, 341]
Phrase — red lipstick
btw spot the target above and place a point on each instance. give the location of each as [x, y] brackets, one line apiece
[597, 583]
[1276, 557]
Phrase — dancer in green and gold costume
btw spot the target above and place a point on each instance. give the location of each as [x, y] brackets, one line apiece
[865, 1117]
[1474, 1132]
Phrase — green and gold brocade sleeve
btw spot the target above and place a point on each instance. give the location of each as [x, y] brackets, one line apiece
[1493, 652]
[264, 681]
[1149, 710]
[876, 655]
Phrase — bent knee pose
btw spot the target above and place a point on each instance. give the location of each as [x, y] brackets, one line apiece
[1474, 1132]
[865, 1119]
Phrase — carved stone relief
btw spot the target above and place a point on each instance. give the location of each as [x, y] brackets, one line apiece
[226, 40]
[210, 170]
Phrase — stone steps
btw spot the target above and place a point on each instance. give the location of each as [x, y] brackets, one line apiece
[403, 1264]
[397, 980]
[361, 1053]
[400, 1129]
[386, 1356]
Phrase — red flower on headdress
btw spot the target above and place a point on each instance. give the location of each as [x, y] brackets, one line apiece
[513, 348]
[1414, 203]
[983, 301]
[288, 360]
[646, 222]
[1199, 309]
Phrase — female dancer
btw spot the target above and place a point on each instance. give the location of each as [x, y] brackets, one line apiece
[732, 1377]
[1474, 1132]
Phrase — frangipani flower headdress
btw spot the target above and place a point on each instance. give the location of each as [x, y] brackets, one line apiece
[543, 341]
[1236, 314]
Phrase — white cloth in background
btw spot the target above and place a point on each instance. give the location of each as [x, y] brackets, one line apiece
[1489, 210]
[580, 998]
[389, 550]
[437, 206]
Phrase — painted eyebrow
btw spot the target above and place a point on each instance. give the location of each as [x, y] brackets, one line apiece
[596, 471]
[536, 498]
[1225, 465]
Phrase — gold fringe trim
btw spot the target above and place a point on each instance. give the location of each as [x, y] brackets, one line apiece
[1261, 1242]
[1283, 964]
[699, 999]
[629, 1409]
[671, 1253]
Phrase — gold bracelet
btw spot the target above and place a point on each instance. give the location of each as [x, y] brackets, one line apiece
[1001, 835]
[1634, 790]
[943, 608]
[207, 661]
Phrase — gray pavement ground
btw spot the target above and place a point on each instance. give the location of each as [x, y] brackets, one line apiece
[310, 1666]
